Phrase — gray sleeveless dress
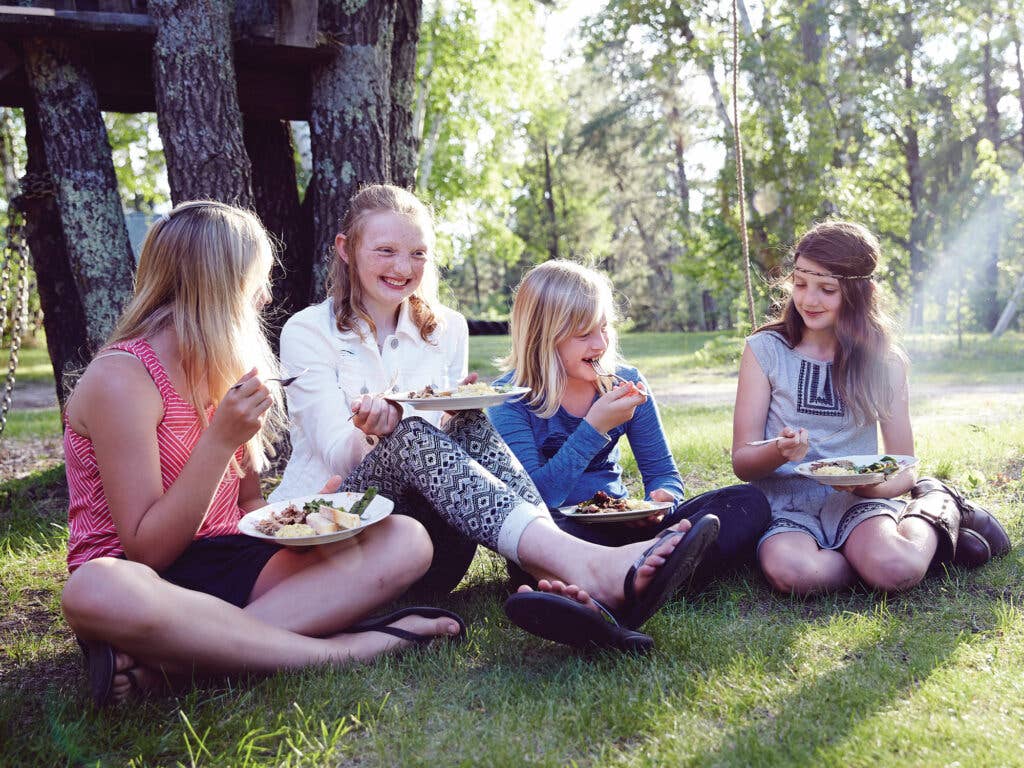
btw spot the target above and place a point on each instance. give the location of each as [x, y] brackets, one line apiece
[804, 395]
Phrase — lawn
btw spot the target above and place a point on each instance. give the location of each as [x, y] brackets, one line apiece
[740, 677]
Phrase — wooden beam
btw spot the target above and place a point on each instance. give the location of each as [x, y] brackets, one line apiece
[296, 23]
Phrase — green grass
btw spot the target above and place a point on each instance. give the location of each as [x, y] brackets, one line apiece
[741, 676]
[33, 362]
[33, 422]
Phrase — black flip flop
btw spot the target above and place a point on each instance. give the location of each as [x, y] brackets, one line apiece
[381, 624]
[677, 568]
[563, 620]
[101, 669]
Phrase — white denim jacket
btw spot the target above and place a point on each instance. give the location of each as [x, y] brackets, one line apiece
[341, 368]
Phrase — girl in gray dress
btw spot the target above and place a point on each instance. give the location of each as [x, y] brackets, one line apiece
[824, 378]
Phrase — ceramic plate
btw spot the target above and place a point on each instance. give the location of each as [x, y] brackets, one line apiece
[616, 515]
[378, 508]
[854, 478]
[463, 403]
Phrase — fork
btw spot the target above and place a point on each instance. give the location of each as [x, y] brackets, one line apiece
[600, 371]
[284, 382]
[389, 389]
[773, 439]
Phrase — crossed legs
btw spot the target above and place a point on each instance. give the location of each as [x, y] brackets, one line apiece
[299, 607]
[883, 554]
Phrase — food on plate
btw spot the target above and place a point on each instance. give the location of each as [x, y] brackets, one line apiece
[886, 465]
[463, 390]
[314, 518]
[602, 502]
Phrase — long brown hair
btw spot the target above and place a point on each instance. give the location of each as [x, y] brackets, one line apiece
[200, 267]
[866, 349]
[343, 285]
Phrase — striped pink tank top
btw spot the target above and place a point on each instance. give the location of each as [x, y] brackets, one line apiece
[91, 530]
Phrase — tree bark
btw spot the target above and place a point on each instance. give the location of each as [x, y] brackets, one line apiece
[63, 316]
[915, 180]
[350, 120]
[77, 154]
[197, 102]
[549, 203]
[276, 199]
[404, 140]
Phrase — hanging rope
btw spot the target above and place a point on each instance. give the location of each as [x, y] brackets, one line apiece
[15, 262]
[740, 184]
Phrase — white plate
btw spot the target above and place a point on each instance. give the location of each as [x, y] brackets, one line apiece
[378, 508]
[873, 478]
[460, 403]
[617, 515]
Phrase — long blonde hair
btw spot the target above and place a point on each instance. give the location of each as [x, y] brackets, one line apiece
[555, 300]
[343, 285]
[866, 349]
[200, 269]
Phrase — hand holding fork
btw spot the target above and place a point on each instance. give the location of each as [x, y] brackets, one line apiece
[284, 382]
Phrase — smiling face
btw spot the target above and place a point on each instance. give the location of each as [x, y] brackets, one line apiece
[818, 299]
[390, 255]
[577, 350]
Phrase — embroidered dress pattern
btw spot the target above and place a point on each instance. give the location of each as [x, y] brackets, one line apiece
[815, 394]
[91, 529]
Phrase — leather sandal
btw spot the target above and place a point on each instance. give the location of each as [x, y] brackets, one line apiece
[973, 516]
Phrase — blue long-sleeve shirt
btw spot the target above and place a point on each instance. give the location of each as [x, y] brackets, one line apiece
[570, 461]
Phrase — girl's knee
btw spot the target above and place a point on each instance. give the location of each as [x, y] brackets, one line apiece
[411, 540]
[891, 571]
[100, 591]
[787, 576]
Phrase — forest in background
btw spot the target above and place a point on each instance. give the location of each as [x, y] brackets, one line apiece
[904, 116]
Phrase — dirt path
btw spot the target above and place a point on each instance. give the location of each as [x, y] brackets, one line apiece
[21, 457]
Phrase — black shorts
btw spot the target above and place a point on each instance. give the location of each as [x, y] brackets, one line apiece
[223, 566]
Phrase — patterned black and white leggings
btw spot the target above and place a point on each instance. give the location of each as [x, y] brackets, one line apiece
[464, 471]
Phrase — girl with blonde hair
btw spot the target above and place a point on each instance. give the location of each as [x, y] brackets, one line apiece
[824, 378]
[566, 432]
[381, 330]
[164, 437]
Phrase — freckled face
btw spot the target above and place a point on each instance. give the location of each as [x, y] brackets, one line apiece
[585, 345]
[390, 257]
[817, 299]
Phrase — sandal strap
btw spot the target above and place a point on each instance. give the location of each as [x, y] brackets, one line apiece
[629, 591]
[402, 634]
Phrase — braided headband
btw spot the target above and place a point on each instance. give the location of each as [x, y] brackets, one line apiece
[829, 274]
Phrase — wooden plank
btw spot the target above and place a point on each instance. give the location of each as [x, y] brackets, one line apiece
[296, 23]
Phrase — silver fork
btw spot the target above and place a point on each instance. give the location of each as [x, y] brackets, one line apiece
[773, 439]
[283, 382]
[389, 389]
[600, 371]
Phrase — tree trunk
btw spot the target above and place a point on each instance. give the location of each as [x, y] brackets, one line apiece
[1010, 310]
[276, 198]
[63, 316]
[915, 183]
[549, 203]
[197, 102]
[404, 140]
[989, 278]
[350, 121]
[1018, 65]
[77, 155]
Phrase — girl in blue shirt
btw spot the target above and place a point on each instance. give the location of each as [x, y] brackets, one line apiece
[566, 432]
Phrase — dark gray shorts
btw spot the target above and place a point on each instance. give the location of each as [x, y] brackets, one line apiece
[832, 523]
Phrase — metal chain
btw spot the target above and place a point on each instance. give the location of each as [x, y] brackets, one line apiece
[15, 256]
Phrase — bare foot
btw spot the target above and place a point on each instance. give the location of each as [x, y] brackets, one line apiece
[130, 676]
[571, 591]
[363, 646]
[609, 570]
